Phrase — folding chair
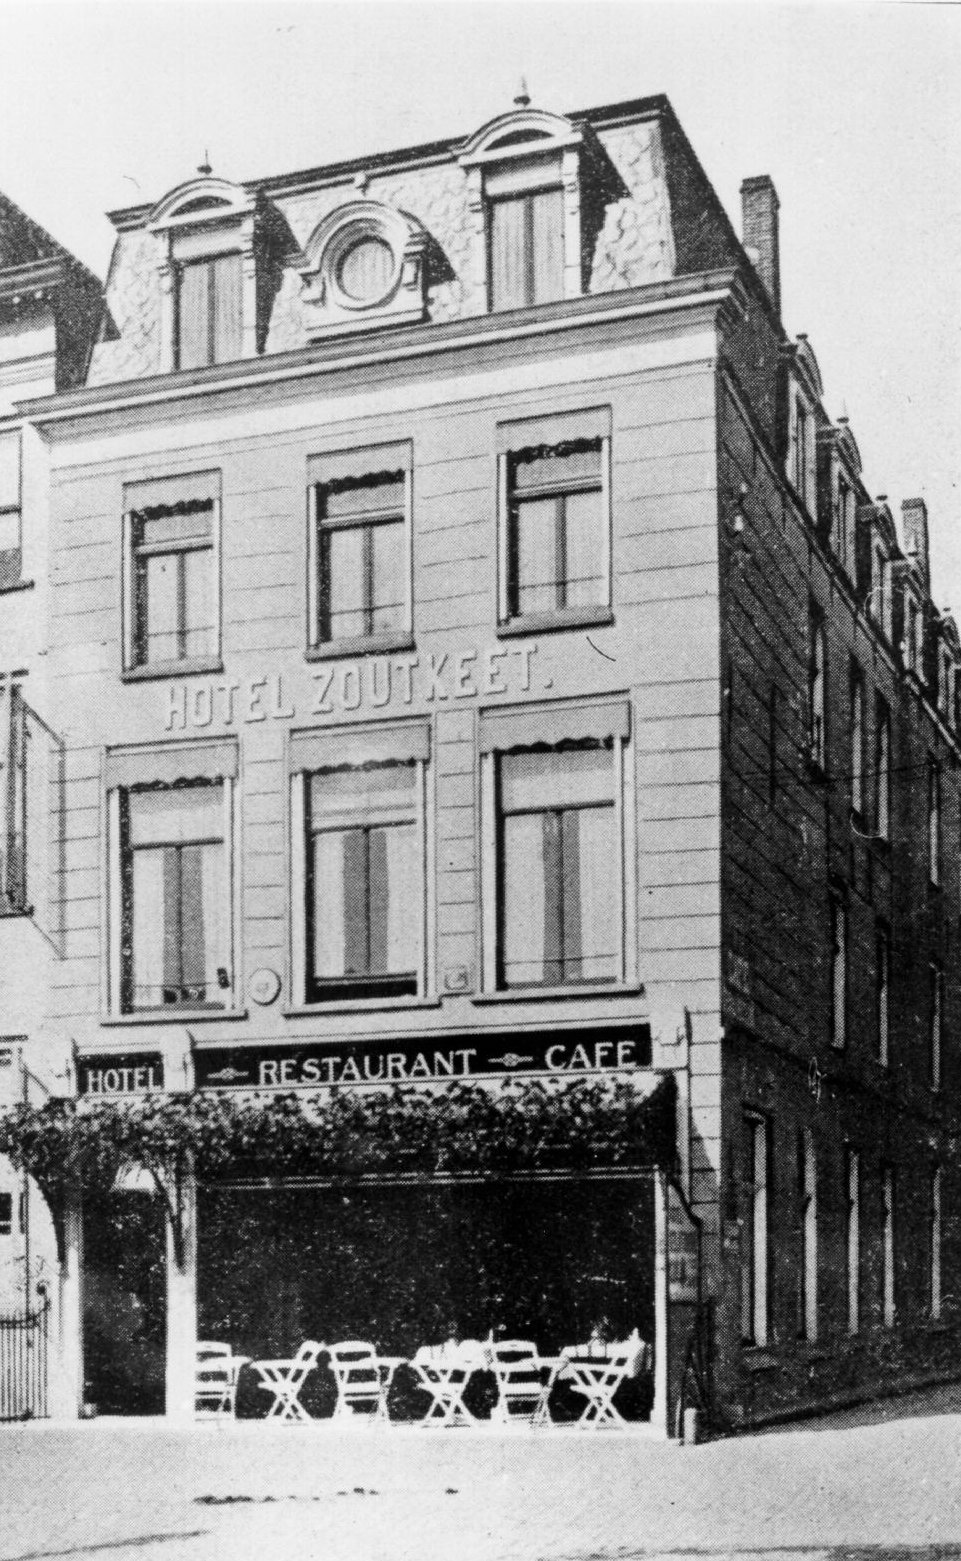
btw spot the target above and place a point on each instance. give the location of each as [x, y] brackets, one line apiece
[596, 1374]
[521, 1389]
[285, 1379]
[444, 1373]
[363, 1379]
[216, 1373]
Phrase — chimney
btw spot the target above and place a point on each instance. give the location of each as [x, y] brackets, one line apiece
[914, 523]
[759, 209]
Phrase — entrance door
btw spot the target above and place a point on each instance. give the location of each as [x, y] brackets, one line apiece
[124, 1300]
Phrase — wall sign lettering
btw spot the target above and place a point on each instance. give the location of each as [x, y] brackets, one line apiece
[553, 1052]
[345, 687]
[139, 1073]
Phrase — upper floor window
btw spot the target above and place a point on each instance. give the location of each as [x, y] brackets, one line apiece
[934, 821]
[946, 684]
[802, 456]
[6, 1213]
[14, 833]
[527, 248]
[359, 918]
[209, 320]
[554, 888]
[360, 545]
[880, 598]
[882, 769]
[857, 741]
[11, 556]
[171, 894]
[844, 540]
[555, 523]
[172, 540]
[839, 969]
[817, 677]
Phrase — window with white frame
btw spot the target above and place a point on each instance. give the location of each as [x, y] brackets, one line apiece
[852, 1237]
[817, 682]
[556, 855]
[882, 1029]
[360, 549]
[555, 552]
[360, 884]
[172, 573]
[209, 312]
[844, 535]
[934, 1244]
[857, 741]
[11, 542]
[888, 1296]
[170, 819]
[802, 463]
[755, 1234]
[882, 769]
[946, 684]
[880, 599]
[934, 821]
[935, 1024]
[808, 1222]
[839, 969]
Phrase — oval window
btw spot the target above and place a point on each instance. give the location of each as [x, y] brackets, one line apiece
[367, 270]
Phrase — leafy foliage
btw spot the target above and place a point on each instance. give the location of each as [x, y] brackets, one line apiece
[464, 1128]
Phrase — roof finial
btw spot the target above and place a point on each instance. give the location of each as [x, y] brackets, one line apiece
[522, 97]
[205, 167]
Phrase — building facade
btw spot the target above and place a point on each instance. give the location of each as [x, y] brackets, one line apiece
[477, 658]
[49, 311]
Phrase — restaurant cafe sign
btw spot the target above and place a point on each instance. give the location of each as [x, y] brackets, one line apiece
[554, 1053]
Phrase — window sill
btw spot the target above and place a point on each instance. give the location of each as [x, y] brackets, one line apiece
[173, 1015]
[358, 1006]
[551, 622]
[172, 669]
[9, 912]
[543, 994]
[16, 585]
[364, 645]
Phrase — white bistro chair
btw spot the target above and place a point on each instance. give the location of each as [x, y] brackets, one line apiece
[522, 1389]
[363, 1380]
[216, 1373]
[285, 1380]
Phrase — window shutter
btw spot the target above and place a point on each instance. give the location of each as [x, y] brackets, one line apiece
[509, 254]
[227, 308]
[547, 237]
[193, 316]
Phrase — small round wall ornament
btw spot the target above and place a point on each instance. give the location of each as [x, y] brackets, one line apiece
[264, 986]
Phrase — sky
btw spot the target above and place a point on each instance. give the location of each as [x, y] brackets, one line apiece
[854, 109]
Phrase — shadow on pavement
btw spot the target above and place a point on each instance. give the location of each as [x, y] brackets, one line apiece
[108, 1544]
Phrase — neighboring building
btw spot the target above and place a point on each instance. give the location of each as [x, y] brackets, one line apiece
[49, 311]
[476, 652]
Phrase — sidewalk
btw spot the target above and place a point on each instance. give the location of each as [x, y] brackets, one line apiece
[880, 1482]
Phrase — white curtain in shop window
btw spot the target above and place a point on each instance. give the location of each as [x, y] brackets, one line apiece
[596, 889]
[199, 611]
[212, 953]
[402, 910]
[525, 899]
[537, 559]
[148, 928]
[329, 907]
[163, 608]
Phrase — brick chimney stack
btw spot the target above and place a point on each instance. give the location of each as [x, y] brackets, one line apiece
[759, 226]
[914, 523]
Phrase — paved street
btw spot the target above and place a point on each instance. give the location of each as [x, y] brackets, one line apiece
[860, 1486]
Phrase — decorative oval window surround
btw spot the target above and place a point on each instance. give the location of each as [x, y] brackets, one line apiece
[363, 264]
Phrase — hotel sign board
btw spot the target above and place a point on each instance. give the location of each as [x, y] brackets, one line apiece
[553, 1053]
[139, 1073]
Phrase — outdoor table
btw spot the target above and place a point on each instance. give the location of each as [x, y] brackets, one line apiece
[285, 1379]
[596, 1373]
[444, 1372]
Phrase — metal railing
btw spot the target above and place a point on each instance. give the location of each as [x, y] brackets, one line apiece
[23, 1365]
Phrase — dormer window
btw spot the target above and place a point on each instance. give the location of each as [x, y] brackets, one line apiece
[209, 311]
[209, 274]
[523, 171]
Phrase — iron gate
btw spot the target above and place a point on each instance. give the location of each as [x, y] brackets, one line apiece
[23, 1366]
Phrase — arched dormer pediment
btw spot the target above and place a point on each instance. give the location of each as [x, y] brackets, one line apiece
[364, 262]
[808, 365]
[519, 132]
[848, 448]
[203, 200]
